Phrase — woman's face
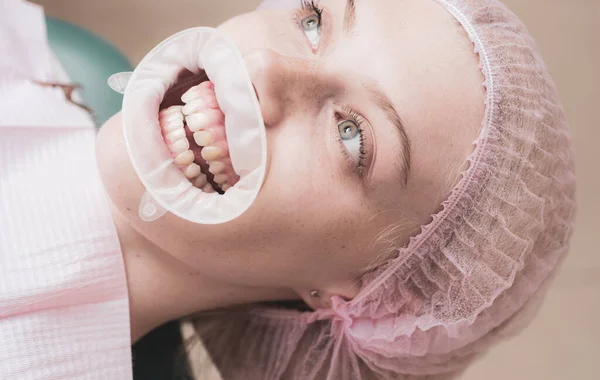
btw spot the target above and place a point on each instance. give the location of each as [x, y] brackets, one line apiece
[371, 107]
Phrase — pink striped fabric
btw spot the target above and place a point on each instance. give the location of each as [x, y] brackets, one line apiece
[63, 296]
[475, 274]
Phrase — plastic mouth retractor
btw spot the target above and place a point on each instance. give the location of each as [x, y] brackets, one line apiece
[167, 189]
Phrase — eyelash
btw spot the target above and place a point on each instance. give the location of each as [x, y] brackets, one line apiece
[312, 6]
[350, 115]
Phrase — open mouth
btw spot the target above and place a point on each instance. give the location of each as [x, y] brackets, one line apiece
[190, 116]
[193, 128]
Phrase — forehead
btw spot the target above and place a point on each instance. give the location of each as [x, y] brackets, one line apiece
[414, 48]
[422, 58]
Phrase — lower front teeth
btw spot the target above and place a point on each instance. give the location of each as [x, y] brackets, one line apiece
[205, 138]
[177, 134]
[179, 146]
[197, 122]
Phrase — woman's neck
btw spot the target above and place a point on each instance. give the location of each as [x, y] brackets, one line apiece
[162, 288]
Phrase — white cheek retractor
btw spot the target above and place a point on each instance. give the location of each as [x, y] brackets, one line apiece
[167, 189]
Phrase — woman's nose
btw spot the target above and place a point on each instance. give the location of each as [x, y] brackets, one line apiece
[284, 86]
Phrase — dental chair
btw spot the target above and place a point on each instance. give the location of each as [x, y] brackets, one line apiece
[88, 60]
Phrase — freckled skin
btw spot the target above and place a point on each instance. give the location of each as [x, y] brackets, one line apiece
[314, 223]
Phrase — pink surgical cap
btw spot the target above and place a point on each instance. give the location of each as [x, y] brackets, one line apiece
[474, 274]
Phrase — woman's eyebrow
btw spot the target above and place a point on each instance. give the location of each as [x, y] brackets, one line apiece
[350, 17]
[387, 107]
[381, 99]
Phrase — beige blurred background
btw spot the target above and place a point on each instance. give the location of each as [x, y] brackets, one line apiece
[564, 341]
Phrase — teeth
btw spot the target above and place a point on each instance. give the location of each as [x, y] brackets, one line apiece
[172, 117]
[208, 189]
[194, 106]
[172, 126]
[216, 167]
[175, 135]
[203, 138]
[212, 153]
[221, 179]
[185, 158]
[205, 90]
[202, 117]
[179, 146]
[192, 171]
[201, 181]
[191, 94]
[170, 111]
[197, 121]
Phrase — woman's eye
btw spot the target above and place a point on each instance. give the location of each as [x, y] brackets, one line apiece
[310, 23]
[351, 136]
[312, 28]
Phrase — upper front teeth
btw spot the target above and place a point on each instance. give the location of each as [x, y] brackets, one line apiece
[197, 121]
[192, 107]
[205, 121]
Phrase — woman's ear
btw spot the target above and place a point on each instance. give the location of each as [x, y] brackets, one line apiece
[321, 298]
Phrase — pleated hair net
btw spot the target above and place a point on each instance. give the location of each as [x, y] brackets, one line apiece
[473, 275]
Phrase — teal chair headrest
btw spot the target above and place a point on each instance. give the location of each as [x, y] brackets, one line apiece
[88, 60]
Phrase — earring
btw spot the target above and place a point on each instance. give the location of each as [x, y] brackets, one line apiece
[315, 294]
